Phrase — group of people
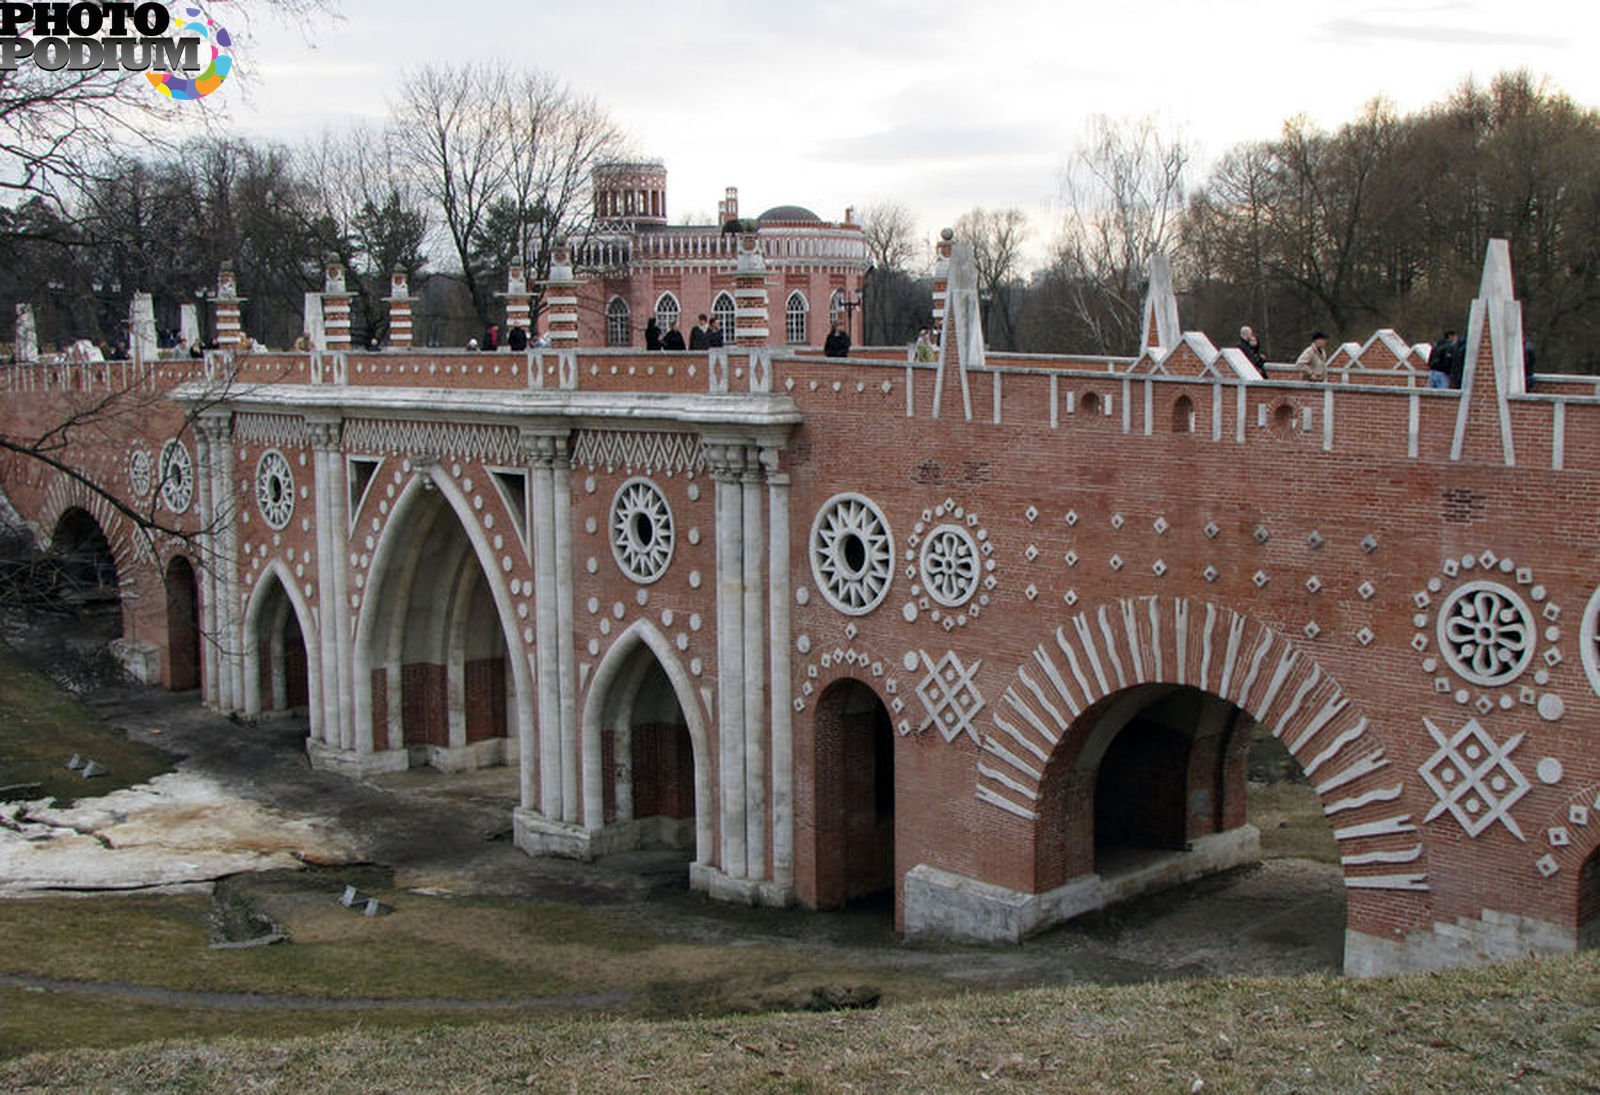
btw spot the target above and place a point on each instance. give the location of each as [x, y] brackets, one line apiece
[517, 339]
[703, 336]
[1312, 362]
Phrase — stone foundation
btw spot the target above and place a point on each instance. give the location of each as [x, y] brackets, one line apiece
[944, 905]
[139, 660]
[346, 762]
[1496, 937]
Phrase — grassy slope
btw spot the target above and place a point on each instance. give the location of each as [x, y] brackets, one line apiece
[1530, 1026]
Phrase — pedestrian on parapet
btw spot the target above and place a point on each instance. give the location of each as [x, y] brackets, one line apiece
[673, 340]
[373, 345]
[1250, 346]
[714, 334]
[1313, 360]
[540, 340]
[652, 335]
[1458, 360]
[302, 344]
[517, 339]
[837, 343]
[1439, 360]
[699, 334]
[491, 337]
[1527, 364]
[472, 344]
[924, 351]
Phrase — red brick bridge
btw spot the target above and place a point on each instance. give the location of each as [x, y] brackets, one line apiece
[992, 630]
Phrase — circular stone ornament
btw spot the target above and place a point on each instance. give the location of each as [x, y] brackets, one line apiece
[177, 476]
[641, 530]
[275, 489]
[950, 565]
[1487, 633]
[852, 553]
[140, 473]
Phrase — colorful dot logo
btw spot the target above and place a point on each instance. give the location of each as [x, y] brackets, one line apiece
[191, 22]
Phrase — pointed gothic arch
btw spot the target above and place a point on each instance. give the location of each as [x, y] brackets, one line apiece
[276, 619]
[608, 706]
[433, 523]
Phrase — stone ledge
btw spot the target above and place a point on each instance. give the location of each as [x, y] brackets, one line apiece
[1498, 936]
[346, 762]
[940, 904]
[706, 879]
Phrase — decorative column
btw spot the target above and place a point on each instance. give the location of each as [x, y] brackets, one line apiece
[561, 298]
[725, 461]
[335, 305]
[333, 637]
[229, 332]
[519, 302]
[27, 336]
[941, 281]
[142, 326]
[750, 315]
[399, 301]
[778, 640]
[218, 538]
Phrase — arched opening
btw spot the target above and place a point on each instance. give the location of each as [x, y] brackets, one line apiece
[1090, 405]
[183, 626]
[1162, 784]
[723, 308]
[83, 573]
[1183, 415]
[852, 796]
[619, 323]
[1589, 901]
[648, 757]
[441, 680]
[282, 671]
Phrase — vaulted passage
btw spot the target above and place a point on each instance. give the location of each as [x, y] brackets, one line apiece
[441, 681]
[648, 757]
[280, 648]
[183, 626]
[852, 799]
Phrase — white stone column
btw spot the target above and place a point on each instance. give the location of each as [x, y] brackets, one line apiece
[726, 464]
[540, 455]
[778, 639]
[209, 551]
[754, 655]
[337, 732]
[336, 487]
[572, 798]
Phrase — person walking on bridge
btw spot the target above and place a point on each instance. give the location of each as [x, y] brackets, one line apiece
[1313, 360]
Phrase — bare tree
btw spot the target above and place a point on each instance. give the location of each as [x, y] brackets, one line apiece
[1124, 196]
[997, 237]
[891, 234]
[896, 306]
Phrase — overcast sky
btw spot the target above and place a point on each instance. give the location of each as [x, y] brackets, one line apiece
[938, 104]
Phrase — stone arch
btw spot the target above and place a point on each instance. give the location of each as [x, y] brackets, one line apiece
[276, 595]
[65, 494]
[609, 701]
[1588, 900]
[1183, 415]
[380, 620]
[1101, 654]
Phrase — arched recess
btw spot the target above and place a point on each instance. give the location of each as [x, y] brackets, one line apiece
[845, 810]
[85, 566]
[426, 677]
[1057, 721]
[280, 648]
[637, 685]
[1588, 915]
[99, 520]
[182, 667]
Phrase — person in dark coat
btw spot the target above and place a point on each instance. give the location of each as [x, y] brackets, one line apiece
[673, 340]
[714, 335]
[1527, 364]
[699, 336]
[1439, 361]
[491, 337]
[1458, 360]
[517, 339]
[652, 335]
[837, 343]
[1250, 346]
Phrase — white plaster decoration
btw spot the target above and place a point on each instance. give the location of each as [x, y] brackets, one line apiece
[949, 565]
[950, 696]
[640, 451]
[1549, 770]
[1369, 543]
[1474, 778]
[1212, 530]
[1071, 517]
[1210, 574]
[1589, 641]
[280, 430]
[496, 444]
[1260, 579]
[852, 553]
[1486, 633]
[1366, 590]
[177, 476]
[1262, 535]
[274, 489]
[641, 530]
[1313, 584]
[1117, 521]
[1314, 540]
[140, 472]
